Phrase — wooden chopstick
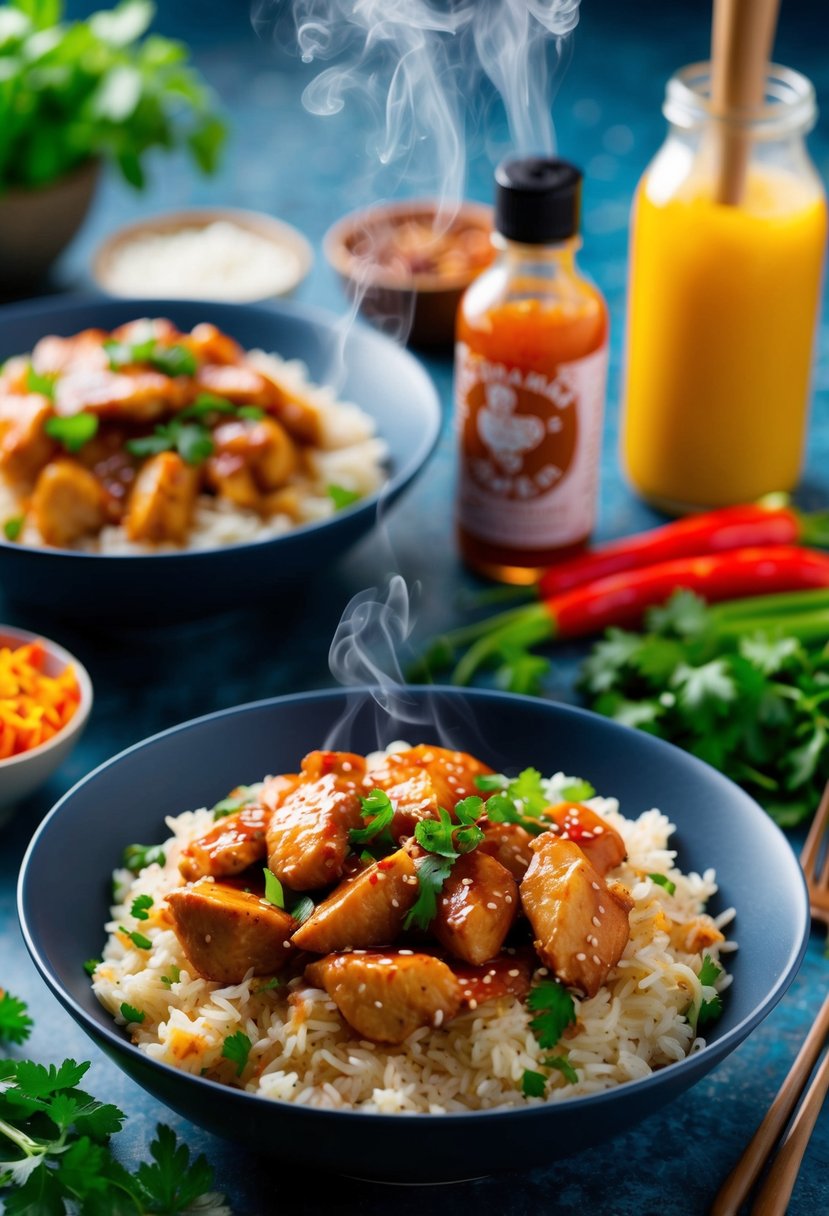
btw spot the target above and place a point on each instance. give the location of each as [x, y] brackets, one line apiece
[775, 1193]
[739, 1182]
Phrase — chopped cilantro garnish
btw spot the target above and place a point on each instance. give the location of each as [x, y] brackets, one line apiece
[709, 972]
[130, 1014]
[141, 907]
[576, 789]
[269, 985]
[436, 834]
[236, 1048]
[192, 440]
[91, 965]
[341, 497]
[137, 939]
[208, 403]
[172, 978]
[253, 413]
[533, 1084]
[137, 856]
[41, 382]
[432, 873]
[172, 360]
[302, 909]
[491, 781]
[72, 430]
[564, 1067]
[708, 1010]
[13, 527]
[518, 799]
[15, 1023]
[662, 881]
[274, 893]
[378, 808]
[554, 1009]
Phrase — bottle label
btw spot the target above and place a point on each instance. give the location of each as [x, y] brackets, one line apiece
[529, 448]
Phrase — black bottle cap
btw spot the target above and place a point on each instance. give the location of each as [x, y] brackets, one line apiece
[537, 199]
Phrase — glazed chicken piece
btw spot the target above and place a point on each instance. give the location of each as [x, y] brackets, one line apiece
[366, 910]
[234, 844]
[53, 356]
[423, 778]
[508, 843]
[140, 394]
[25, 448]
[235, 382]
[250, 460]
[600, 842]
[299, 415]
[508, 975]
[308, 833]
[476, 908]
[67, 503]
[385, 997]
[224, 931]
[163, 500]
[210, 345]
[580, 924]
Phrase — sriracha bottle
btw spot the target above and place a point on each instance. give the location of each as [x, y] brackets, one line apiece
[530, 374]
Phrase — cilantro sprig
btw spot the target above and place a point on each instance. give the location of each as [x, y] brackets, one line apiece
[15, 1023]
[378, 811]
[706, 1010]
[138, 856]
[173, 360]
[55, 1158]
[236, 1048]
[742, 685]
[445, 841]
[525, 799]
[554, 1011]
[73, 431]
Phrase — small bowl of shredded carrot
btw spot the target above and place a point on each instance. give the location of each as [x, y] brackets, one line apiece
[45, 699]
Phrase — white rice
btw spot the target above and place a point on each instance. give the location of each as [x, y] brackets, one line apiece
[303, 1051]
[349, 455]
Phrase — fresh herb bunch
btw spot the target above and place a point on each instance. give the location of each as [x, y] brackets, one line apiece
[54, 1146]
[744, 686]
[78, 90]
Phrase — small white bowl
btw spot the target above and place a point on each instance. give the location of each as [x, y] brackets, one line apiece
[277, 233]
[21, 775]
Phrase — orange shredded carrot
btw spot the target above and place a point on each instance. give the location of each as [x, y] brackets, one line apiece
[34, 706]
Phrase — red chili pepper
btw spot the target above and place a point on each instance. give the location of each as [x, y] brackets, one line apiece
[754, 525]
[622, 599]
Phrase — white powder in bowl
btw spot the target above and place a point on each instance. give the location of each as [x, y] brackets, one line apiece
[219, 261]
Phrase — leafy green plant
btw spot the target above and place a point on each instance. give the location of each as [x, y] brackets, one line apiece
[74, 91]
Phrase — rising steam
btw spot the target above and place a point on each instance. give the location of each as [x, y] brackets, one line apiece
[419, 66]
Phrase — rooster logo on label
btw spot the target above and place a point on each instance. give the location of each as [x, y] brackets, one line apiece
[507, 435]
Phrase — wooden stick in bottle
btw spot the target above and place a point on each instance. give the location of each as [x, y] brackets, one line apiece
[741, 40]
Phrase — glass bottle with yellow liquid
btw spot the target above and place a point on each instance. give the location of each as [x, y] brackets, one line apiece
[723, 303]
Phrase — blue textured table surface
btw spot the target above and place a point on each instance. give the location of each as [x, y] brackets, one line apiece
[310, 170]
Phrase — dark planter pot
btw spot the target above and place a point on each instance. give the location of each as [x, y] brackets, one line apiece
[36, 225]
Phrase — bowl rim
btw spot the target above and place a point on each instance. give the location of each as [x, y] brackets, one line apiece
[345, 262]
[113, 1034]
[277, 231]
[81, 714]
[316, 318]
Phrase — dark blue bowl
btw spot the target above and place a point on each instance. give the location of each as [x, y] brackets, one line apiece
[195, 764]
[384, 380]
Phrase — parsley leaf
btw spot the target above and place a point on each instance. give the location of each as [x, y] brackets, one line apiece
[13, 527]
[274, 892]
[709, 972]
[172, 1183]
[533, 1084]
[435, 835]
[130, 1014]
[432, 873]
[241, 797]
[43, 383]
[72, 430]
[564, 1066]
[236, 1048]
[554, 1009]
[137, 856]
[172, 978]
[91, 965]
[174, 360]
[378, 808]
[576, 789]
[15, 1023]
[341, 497]
[710, 1008]
[137, 939]
[662, 881]
[192, 440]
[141, 907]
